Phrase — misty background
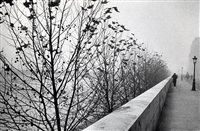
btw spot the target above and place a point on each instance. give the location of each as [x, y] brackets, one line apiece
[168, 27]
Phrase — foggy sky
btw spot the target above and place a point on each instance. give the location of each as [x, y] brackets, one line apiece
[166, 26]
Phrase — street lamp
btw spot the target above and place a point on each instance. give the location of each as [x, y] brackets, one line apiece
[181, 73]
[193, 84]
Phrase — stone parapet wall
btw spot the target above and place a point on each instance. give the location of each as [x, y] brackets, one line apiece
[139, 114]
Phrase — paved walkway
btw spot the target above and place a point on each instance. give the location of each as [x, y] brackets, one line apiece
[181, 111]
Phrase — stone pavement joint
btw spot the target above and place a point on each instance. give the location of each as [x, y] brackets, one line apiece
[181, 111]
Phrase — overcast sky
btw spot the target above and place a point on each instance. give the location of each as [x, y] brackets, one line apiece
[167, 26]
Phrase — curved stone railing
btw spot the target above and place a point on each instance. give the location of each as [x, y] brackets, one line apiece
[139, 114]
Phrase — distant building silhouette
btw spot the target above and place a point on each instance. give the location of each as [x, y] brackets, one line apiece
[194, 51]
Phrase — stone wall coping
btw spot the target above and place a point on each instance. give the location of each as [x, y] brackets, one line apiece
[125, 116]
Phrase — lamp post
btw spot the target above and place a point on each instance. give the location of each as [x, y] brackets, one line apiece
[181, 73]
[193, 84]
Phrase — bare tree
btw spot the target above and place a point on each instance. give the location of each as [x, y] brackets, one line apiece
[54, 43]
[104, 74]
[72, 65]
[121, 71]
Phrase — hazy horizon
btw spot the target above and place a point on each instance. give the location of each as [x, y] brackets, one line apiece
[168, 27]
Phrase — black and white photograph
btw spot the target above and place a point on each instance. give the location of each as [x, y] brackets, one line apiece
[99, 65]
